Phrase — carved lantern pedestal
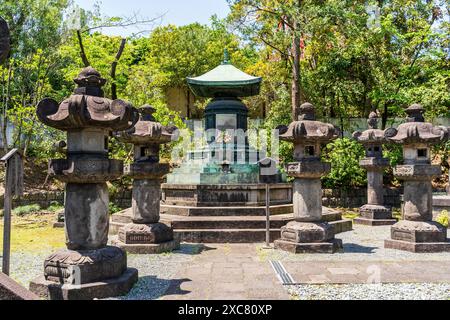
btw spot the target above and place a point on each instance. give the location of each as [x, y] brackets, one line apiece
[308, 233]
[374, 213]
[417, 232]
[88, 268]
[146, 235]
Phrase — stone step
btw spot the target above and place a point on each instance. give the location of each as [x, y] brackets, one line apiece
[224, 211]
[235, 222]
[124, 217]
[341, 226]
[242, 235]
[226, 235]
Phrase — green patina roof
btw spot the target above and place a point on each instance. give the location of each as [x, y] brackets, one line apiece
[225, 80]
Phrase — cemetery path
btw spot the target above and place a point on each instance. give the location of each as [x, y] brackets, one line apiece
[247, 271]
[227, 272]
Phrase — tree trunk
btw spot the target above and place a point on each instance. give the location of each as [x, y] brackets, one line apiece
[188, 105]
[114, 69]
[5, 111]
[385, 116]
[296, 95]
[296, 56]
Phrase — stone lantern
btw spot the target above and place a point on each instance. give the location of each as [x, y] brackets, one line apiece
[417, 232]
[146, 235]
[374, 213]
[88, 268]
[308, 233]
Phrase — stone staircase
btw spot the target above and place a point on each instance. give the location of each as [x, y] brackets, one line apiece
[228, 225]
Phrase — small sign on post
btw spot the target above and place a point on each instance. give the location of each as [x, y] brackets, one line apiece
[13, 187]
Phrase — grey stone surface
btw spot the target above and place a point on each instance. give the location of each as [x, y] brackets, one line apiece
[146, 201]
[374, 213]
[107, 288]
[11, 290]
[86, 216]
[307, 200]
[88, 269]
[308, 233]
[83, 267]
[155, 248]
[146, 235]
[417, 233]
[222, 195]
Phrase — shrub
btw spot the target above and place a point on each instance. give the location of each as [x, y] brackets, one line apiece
[113, 208]
[344, 156]
[443, 218]
[55, 207]
[25, 210]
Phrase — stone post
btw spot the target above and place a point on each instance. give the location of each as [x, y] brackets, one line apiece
[146, 235]
[417, 232]
[88, 268]
[308, 233]
[374, 213]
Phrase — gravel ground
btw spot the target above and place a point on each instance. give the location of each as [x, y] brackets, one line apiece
[417, 291]
[25, 267]
[155, 271]
[362, 244]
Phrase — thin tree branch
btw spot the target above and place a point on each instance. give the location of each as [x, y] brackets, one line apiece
[114, 69]
[82, 51]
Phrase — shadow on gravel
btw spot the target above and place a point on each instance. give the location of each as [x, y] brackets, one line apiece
[152, 288]
[193, 249]
[356, 248]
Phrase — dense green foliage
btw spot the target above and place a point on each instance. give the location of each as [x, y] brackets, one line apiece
[344, 156]
[342, 57]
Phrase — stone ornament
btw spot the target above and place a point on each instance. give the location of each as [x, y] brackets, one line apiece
[88, 268]
[83, 110]
[146, 235]
[374, 213]
[308, 233]
[417, 232]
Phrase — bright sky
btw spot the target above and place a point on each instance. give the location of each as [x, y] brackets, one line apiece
[177, 12]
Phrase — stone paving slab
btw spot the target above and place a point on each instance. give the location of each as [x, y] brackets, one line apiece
[368, 272]
[244, 272]
[228, 272]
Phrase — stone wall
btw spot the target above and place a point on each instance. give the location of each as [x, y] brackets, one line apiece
[355, 198]
[46, 199]
[341, 198]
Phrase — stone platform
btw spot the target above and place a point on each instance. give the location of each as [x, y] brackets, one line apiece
[229, 225]
[85, 275]
[374, 222]
[333, 246]
[96, 290]
[11, 290]
[225, 195]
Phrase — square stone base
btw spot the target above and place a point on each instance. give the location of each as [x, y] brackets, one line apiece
[156, 248]
[332, 246]
[98, 290]
[374, 222]
[59, 225]
[430, 247]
